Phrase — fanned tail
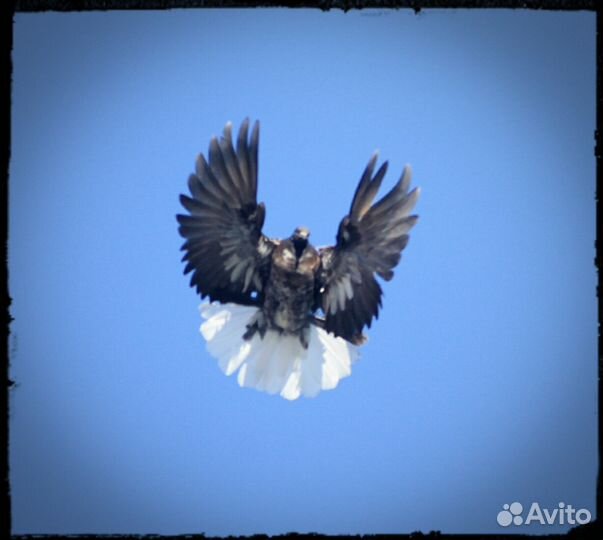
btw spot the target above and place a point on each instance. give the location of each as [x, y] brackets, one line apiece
[276, 363]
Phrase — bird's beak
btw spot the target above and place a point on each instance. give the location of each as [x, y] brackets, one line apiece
[302, 232]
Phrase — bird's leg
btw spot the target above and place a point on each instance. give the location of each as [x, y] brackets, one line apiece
[304, 336]
[256, 324]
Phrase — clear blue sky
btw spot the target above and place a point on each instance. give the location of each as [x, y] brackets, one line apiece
[478, 385]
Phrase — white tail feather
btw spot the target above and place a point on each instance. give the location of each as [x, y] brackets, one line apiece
[276, 363]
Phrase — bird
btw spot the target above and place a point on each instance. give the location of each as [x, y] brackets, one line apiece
[286, 316]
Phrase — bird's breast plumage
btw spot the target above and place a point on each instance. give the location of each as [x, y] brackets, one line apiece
[289, 293]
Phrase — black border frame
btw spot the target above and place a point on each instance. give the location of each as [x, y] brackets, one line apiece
[593, 529]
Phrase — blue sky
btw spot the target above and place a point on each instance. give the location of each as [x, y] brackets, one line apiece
[478, 385]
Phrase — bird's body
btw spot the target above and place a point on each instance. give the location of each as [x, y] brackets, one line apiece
[267, 293]
[289, 289]
[289, 295]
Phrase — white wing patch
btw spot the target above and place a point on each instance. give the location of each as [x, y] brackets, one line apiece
[277, 363]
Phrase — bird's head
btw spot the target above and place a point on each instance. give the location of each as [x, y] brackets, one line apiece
[300, 240]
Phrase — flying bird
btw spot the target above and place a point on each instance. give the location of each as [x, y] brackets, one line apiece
[288, 316]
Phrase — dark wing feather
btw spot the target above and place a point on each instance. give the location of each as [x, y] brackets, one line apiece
[369, 241]
[225, 249]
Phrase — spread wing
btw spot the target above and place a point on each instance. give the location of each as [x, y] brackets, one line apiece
[225, 249]
[369, 241]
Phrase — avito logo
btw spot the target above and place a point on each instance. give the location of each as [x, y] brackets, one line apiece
[563, 514]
